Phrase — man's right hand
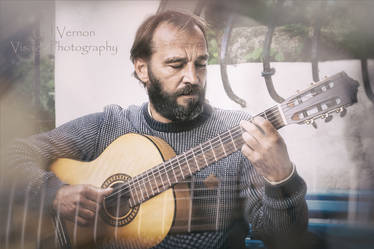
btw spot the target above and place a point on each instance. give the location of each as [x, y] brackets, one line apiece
[79, 203]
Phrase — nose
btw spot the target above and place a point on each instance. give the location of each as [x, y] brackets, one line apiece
[190, 74]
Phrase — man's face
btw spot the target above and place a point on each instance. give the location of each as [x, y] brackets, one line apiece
[177, 72]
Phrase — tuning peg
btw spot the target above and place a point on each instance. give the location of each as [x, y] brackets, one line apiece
[343, 112]
[311, 122]
[329, 118]
[312, 83]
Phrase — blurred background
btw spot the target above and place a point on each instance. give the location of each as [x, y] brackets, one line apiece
[62, 59]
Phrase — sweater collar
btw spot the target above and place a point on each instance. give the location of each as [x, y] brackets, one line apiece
[176, 126]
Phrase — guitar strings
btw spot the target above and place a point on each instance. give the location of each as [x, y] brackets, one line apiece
[165, 171]
[204, 145]
[187, 156]
[208, 144]
[179, 175]
[223, 138]
[166, 165]
[159, 171]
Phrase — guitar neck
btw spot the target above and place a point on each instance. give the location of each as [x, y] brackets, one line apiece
[177, 169]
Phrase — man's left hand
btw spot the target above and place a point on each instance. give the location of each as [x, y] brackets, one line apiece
[266, 150]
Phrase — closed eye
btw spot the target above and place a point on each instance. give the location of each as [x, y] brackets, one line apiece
[200, 65]
[176, 66]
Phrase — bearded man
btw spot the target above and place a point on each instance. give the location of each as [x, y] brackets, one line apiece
[257, 184]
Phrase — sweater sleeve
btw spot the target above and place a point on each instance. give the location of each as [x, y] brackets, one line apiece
[28, 159]
[274, 211]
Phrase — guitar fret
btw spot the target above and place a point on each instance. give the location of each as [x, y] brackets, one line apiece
[175, 176]
[219, 150]
[145, 186]
[202, 152]
[188, 165]
[158, 190]
[141, 191]
[223, 147]
[232, 140]
[167, 175]
[266, 117]
[159, 173]
[214, 154]
[197, 164]
[180, 167]
[149, 182]
[136, 192]
[228, 145]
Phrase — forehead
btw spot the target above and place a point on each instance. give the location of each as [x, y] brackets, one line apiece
[168, 39]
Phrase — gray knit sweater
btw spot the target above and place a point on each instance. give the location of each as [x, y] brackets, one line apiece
[269, 209]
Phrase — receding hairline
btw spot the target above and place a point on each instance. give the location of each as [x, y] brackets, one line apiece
[175, 29]
[141, 47]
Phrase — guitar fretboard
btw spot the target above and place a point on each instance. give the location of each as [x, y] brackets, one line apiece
[175, 170]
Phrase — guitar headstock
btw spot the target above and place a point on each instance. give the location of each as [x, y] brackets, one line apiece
[330, 95]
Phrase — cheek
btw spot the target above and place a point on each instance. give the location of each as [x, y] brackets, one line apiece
[202, 73]
[170, 84]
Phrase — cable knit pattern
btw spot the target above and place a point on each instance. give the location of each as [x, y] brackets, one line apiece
[269, 209]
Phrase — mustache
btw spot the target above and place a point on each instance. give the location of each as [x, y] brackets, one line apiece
[189, 89]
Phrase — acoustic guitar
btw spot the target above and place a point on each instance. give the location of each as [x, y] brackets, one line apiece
[151, 199]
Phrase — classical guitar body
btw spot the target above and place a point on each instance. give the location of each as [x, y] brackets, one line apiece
[143, 226]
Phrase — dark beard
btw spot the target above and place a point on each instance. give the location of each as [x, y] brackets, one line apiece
[166, 104]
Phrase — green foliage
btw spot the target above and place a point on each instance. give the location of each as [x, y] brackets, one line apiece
[213, 51]
[23, 78]
[47, 85]
[277, 55]
[296, 29]
[346, 28]
[213, 47]
[257, 54]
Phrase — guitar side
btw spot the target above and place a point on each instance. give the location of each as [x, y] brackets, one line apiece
[129, 155]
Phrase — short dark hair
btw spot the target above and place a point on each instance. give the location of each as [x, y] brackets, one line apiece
[142, 46]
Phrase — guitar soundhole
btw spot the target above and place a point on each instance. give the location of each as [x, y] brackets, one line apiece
[116, 208]
[118, 204]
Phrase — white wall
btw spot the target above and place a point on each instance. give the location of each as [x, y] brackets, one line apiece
[335, 156]
[84, 83]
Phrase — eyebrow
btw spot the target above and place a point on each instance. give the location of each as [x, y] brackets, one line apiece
[176, 59]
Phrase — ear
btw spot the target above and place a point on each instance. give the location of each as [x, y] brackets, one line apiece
[141, 69]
